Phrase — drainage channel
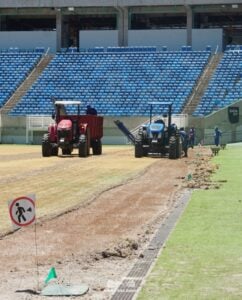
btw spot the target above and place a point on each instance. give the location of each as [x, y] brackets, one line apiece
[132, 282]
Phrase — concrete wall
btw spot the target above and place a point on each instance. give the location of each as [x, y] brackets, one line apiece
[174, 39]
[203, 37]
[13, 129]
[100, 38]
[231, 133]
[28, 39]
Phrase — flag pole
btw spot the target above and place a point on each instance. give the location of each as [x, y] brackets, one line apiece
[36, 254]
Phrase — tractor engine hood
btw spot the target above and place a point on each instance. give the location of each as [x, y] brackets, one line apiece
[156, 127]
[64, 125]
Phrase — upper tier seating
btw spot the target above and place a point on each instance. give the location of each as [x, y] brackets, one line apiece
[14, 68]
[225, 86]
[116, 82]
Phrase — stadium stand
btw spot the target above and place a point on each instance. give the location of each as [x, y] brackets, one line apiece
[116, 82]
[225, 87]
[14, 68]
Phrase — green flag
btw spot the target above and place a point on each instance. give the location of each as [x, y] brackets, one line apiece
[189, 177]
[51, 275]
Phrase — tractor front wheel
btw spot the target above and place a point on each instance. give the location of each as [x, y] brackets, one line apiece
[46, 146]
[83, 146]
[138, 148]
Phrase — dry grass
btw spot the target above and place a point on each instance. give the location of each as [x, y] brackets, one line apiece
[61, 183]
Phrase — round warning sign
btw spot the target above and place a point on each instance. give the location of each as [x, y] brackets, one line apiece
[22, 211]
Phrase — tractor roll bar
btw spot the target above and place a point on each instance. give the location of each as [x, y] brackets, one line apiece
[65, 102]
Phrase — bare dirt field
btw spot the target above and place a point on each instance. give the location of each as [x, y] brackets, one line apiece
[95, 215]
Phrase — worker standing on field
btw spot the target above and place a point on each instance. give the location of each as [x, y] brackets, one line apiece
[191, 137]
[217, 136]
[184, 138]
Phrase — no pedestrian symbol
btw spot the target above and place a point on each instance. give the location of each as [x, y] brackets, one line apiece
[22, 211]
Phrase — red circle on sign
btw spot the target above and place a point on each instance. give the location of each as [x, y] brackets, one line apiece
[11, 207]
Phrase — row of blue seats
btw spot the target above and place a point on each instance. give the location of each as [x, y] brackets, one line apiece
[124, 49]
[14, 68]
[222, 89]
[57, 81]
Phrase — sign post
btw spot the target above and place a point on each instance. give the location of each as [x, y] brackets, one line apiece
[22, 211]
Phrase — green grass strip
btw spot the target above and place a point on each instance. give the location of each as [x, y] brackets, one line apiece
[202, 258]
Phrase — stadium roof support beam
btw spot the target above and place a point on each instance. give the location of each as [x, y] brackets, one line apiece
[58, 30]
[123, 26]
[190, 18]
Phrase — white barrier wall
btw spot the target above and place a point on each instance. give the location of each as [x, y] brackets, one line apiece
[203, 37]
[28, 39]
[98, 38]
[172, 38]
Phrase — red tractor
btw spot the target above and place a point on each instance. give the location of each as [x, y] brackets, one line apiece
[73, 132]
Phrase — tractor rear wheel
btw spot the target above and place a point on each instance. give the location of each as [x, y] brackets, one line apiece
[96, 147]
[46, 146]
[172, 148]
[138, 148]
[83, 146]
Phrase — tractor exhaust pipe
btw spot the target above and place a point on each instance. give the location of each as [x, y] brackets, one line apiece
[169, 114]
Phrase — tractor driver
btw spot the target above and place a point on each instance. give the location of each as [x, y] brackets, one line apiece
[91, 110]
[159, 121]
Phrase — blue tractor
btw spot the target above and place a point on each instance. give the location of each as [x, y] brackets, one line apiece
[158, 139]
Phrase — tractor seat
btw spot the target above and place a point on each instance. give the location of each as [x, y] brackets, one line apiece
[159, 121]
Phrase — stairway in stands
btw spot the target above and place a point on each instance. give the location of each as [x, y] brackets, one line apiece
[24, 87]
[202, 84]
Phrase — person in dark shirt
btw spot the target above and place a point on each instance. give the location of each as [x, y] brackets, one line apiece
[217, 136]
[91, 110]
[191, 137]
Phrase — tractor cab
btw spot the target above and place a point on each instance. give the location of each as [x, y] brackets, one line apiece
[67, 125]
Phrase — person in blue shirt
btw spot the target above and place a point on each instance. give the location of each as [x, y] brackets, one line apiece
[184, 138]
[191, 137]
[217, 136]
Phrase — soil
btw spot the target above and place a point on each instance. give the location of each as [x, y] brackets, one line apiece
[98, 241]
